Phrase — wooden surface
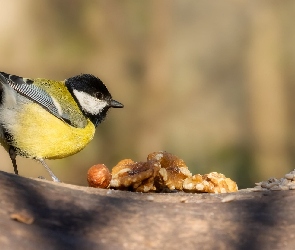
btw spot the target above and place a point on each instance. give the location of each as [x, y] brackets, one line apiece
[39, 214]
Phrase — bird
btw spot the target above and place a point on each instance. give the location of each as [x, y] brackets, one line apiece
[48, 119]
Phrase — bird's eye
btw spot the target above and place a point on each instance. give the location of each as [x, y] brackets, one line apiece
[99, 95]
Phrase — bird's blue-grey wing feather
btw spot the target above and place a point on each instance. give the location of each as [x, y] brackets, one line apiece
[26, 88]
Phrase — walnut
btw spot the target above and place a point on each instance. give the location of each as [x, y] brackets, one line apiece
[210, 183]
[99, 176]
[135, 176]
[172, 173]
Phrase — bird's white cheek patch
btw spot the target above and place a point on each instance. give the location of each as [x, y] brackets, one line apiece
[89, 103]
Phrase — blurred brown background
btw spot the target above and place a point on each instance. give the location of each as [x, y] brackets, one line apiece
[209, 81]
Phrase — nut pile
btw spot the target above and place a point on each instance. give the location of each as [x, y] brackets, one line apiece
[161, 172]
[286, 183]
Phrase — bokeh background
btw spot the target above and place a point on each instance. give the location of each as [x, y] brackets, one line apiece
[209, 81]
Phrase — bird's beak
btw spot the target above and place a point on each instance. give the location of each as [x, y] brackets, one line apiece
[115, 104]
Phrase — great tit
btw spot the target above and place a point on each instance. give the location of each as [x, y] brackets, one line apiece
[47, 119]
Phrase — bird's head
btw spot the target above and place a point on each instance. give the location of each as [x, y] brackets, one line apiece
[92, 96]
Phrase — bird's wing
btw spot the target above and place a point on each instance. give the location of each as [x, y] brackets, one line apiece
[25, 87]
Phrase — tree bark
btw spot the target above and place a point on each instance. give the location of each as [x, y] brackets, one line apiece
[40, 214]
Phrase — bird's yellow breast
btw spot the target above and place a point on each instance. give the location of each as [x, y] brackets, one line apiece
[39, 134]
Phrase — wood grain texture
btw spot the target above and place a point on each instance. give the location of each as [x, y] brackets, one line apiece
[73, 217]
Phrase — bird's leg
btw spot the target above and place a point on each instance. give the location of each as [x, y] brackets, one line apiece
[54, 178]
[12, 155]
